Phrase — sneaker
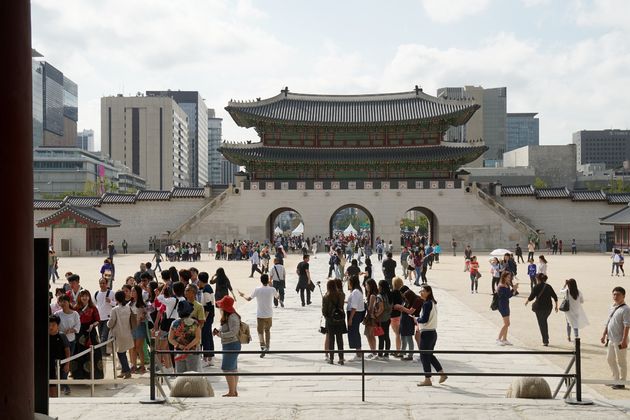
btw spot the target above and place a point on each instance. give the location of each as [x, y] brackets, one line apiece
[506, 343]
[371, 356]
[443, 379]
[476, 291]
[331, 362]
[67, 390]
[500, 343]
[263, 350]
[407, 358]
[282, 304]
[341, 362]
[208, 363]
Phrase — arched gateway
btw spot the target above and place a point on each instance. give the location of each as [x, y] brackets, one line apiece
[415, 226]
[355, 217]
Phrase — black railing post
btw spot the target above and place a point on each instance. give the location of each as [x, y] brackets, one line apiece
[152, 398]
[578, 370]
[578, 377]
[362, 376]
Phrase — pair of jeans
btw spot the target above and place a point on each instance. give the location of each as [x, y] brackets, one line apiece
[279, 285]
[407, 344]
[331, 345]
[541, 316]
[384, 343]
[308, 296]
[103, 333]
[207, 341]
[190, 363]
[124, 362]
[354, 333]
[427, 342]
[474, 282]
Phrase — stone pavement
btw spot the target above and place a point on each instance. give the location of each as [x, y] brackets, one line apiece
[295, 328]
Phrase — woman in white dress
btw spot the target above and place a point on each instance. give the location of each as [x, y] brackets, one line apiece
[576, 317]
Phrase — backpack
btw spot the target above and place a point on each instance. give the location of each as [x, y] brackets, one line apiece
[244, 335]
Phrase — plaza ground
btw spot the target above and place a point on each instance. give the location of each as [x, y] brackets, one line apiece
[465, 322]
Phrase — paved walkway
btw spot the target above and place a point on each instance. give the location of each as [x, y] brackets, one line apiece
[295, 328]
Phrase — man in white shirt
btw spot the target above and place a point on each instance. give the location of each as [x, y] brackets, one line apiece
[104, 301]
[70, 321]
[615, 336]
[210, 247]
[264, 312]
[254, 259]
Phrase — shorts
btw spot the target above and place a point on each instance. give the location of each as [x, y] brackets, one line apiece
[230, 360]
[395, 321]
[140, 332]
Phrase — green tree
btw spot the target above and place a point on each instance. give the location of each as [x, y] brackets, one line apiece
[539, 183]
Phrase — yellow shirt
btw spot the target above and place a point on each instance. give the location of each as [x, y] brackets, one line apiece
[198, 312]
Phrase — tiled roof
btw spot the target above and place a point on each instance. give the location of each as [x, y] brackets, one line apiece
[156, 195]
[82, 201]
[588, 196]
[46, 204]
[242, 153]
[87, 213]
[517, 190]
[351, 109]
[180, 192]
[620, 217]
[115, 198]
[618, 198]
[560, 192]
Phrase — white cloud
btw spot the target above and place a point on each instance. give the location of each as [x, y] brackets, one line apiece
[572, 87]
[605, 13]
[447, 11]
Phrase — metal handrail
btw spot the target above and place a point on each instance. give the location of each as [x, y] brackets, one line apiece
[565, 376]
[92, 382]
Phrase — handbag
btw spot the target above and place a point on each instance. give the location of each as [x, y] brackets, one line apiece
[322, 326]
[565, 304]
[494, 305]
[311, 286]
[378, 331]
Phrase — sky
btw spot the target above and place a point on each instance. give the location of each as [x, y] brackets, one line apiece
[568, 60]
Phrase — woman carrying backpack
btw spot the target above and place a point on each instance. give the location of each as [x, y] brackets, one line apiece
[229, 333]
[332, 310]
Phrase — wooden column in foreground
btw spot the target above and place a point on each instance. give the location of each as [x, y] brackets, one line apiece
[16, 174]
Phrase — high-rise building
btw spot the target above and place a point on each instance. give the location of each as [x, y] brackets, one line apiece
[85, 140]
[55, 105]
[611, 147]
[488, 124]
[149, 135]
[228, 169]
[214, 142]
[522, 130]
[193, 105]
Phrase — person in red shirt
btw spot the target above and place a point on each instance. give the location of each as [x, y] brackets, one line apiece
[87, 337]
[474, 274]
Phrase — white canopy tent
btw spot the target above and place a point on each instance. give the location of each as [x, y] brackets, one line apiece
[350, 229]
[278, 231]
[299, 230]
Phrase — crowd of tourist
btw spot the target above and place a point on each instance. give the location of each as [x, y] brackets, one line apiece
[177, 308]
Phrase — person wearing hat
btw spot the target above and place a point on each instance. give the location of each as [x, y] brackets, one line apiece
[230, 325]
[185, 334]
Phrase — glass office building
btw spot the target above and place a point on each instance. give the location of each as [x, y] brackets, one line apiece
[522, 130]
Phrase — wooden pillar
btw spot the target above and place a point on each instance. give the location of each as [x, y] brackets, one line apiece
[16, 363]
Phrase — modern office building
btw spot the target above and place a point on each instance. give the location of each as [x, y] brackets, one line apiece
[228, 169]
[150, 136]
[611, 147]
[55, 105]
[59, 171]
[85, 140]
[214, 142]
[193, 105]
[487, 125]
[523, 129]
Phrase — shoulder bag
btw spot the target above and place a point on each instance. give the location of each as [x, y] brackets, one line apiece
[565, 304]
